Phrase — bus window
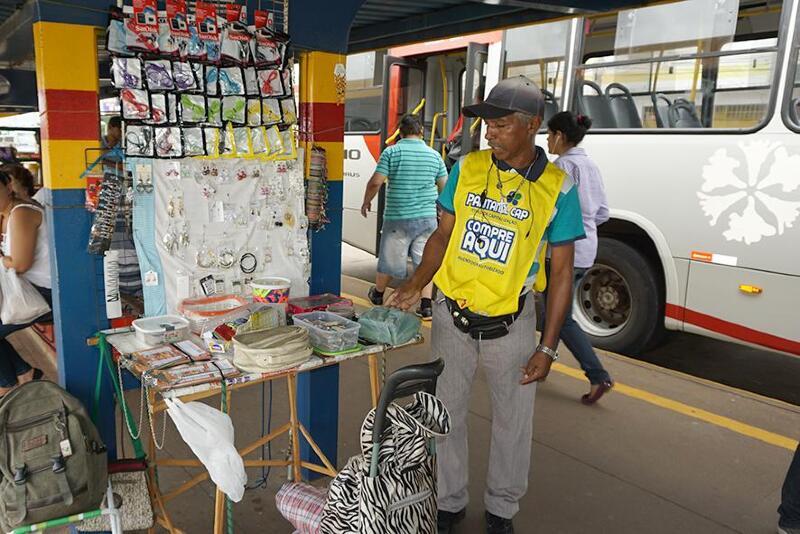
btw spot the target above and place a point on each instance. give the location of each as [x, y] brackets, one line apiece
[539, 53]
[791, 103]
[362, 109]
[714, 70]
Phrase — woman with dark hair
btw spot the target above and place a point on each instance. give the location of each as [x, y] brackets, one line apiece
[24, 249]
[565, 131]
[23, 182]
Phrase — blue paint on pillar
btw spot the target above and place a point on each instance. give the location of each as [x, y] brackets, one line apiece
[78, 305]
[318, 391]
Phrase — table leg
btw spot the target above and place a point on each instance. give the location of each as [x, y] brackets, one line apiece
[374, 378]
[295, 424]
[157, 502]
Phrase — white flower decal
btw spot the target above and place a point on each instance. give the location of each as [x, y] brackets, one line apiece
[750, 197]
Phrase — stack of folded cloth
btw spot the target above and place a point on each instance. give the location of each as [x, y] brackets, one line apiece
[271, 350]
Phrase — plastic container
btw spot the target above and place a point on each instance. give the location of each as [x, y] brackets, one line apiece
[329, 332]
[272, 290]
[343, 309]
[201, 311]
[315, 303]
[154, 331]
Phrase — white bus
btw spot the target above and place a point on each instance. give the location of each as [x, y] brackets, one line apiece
[696, 112]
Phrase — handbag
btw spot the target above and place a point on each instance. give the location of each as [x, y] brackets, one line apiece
[131, 495]
[21, 303]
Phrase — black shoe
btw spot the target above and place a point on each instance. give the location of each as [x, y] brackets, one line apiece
[425, 313]
[445, 521]
[498, 525]
[375, 297]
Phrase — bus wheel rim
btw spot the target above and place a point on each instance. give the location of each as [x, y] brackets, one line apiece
[602, 302]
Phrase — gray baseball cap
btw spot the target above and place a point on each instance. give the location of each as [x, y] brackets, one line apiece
[507, 97]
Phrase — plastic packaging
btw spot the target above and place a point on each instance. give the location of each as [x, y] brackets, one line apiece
[253, 112]
[21, 302]
[241, 140]
[159, 75]
[289, 111]
[135, 104]
[212, 80]
[211, 137]
[329, 332]
[271, 112]
[193, 108]
[200, 77]
[138, 140]
[154, 331]
[251, 82]
[158, 109]
[231, 81]
[126, 73]
[193, 143]
[389, 326]
[183, 76]
[234, 109]
[199, 311]
[270, 82]
[168, 142]
[214, 108]
[315, 303]
[258, 141]
[210, 435]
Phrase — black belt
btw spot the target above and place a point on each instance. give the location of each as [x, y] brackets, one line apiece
[480, 326]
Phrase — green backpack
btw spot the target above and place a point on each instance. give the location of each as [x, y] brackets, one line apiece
[52, 459]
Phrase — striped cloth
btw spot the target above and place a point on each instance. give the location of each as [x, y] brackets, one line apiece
[302, 506]
[413, 168]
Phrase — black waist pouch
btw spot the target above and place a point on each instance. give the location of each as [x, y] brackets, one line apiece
[481, 326]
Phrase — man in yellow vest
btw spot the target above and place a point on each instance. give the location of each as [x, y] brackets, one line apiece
[501, 209]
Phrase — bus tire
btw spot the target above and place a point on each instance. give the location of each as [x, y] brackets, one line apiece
[618, 302]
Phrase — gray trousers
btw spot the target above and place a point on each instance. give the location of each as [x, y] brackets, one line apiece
[512, 410]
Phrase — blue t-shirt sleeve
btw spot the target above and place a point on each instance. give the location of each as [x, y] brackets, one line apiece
[383, 162]
[567, 226]
[449, 192]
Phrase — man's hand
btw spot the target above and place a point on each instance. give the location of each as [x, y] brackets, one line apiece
[537, 369]
[404, 297]
[365, 207]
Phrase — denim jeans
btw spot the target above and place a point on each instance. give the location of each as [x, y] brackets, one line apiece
[11, 363]
[789, 509]
[576, 341]
[399, 240]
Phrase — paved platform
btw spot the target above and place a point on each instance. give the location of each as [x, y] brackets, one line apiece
[663, 453]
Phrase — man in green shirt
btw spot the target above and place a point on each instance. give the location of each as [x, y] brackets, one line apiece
[414, 173]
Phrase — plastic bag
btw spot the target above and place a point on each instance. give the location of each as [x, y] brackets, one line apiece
[388, 325]
[21, 303]
[209, 433]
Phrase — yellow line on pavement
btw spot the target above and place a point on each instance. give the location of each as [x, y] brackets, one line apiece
[727, 423]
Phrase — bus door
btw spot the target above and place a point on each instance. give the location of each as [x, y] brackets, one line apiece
[473, 91]
[403, 92]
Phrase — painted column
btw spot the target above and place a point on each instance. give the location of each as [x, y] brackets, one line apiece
[68, 83]
[322, 125]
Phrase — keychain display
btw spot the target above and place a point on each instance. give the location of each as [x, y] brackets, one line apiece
[271, 111]
[158, 109]
[270, 82]
[135, 104]
[251, 82]
[193, 142]
[212, 80]
[288, 110]
[168, 142]
[231, 81]
[234, 109]
[126, 73]
[193, 108]
[105, 216]
[138, 140]
[183, 76]
[254, 112]
[214, 108]
[158, 73]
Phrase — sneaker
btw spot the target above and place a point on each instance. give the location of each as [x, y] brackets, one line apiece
[788, 530]
[375, 297]
[445, 521]
[498, 525]
[591, 398]
[426, 313]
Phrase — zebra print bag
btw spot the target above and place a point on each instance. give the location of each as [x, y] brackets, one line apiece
[402, 498]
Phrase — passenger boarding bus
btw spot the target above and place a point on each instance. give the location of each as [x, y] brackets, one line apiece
[696, 128]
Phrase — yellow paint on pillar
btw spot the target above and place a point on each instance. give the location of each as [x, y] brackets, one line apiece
[318, 77]
[334, 153]
[66, 56]
[63, 162]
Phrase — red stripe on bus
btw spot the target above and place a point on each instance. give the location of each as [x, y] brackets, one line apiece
[734, 330]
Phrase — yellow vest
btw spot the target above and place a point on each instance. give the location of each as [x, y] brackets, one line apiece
[494, 241]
